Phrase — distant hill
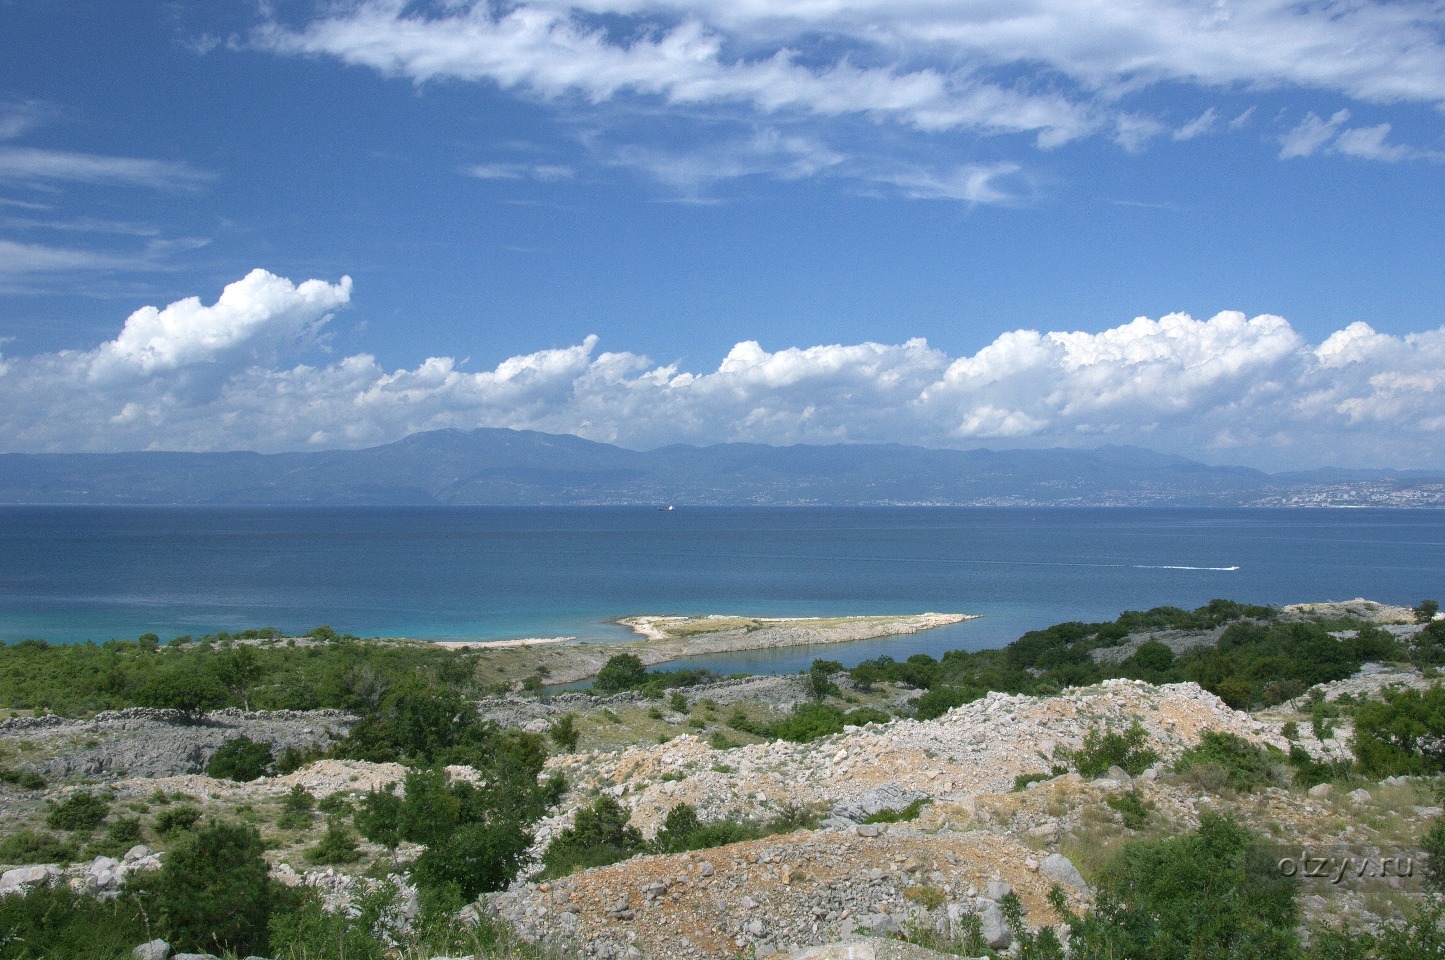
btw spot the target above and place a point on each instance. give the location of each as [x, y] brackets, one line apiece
[497, 466]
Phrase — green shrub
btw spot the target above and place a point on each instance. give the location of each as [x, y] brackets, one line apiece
[564, 732]
[119, 837]
[1433, 844]
[599, 835]
[1105, 748]
[1131, 807]
[1418, 934]
[24, 779]
[336, 846]
[1402, 734]
[212, 893]
[475, 836]
[176, 820]
[241, 759]
[1215, 893]
[55, 921]
[682, 830]
[30, 846]
[900, 815]
[677, 830]
[941, 699]
[80, 811]
[1235, 762]
[678, 701]
[296, 809]
[1309, 772]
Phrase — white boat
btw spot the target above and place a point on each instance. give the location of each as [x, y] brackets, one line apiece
[666, 509]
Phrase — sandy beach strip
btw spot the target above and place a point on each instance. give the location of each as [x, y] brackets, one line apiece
[501, 644]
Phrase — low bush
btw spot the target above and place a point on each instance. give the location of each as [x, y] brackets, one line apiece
[119, 837]
[176, 820]
[83, 811]
[56, 921]
[1402, 734]
[1224, 759]
[213, 893]
[1104, 748]
[901, 815]
[1309, 772]
[1214, 893]
[1131, 806]
[31, 846]
[24, 779]
[599, 835]
[296, 809]
[682, 830]
[564, 732]
[336, 846]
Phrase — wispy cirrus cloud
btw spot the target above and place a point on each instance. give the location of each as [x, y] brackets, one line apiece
[1313, 135]
[545, 172]
[227, 375]
[1043, 72]
[33, 165]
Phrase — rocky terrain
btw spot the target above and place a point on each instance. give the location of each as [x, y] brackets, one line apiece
[992, 812]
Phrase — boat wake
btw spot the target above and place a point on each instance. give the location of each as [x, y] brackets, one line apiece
[1162, 566]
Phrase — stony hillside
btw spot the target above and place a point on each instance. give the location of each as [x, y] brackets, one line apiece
[981, 803]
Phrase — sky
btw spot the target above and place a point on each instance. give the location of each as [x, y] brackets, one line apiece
[1207, 227]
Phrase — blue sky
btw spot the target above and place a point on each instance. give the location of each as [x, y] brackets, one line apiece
[757, 209]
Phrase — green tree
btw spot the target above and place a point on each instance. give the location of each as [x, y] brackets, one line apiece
[182, 687]
[820, 679]
[677, 831]
[237, 669]
[1426, 611]
[622, 672]
[564, 732]
[241, 759]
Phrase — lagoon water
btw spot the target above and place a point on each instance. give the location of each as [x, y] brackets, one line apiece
[93, 573]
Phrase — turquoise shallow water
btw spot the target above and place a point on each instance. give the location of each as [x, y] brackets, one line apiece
[78, 573]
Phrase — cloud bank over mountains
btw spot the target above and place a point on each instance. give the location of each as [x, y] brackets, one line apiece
[1230, 389]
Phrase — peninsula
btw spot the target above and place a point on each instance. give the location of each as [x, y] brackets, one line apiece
[663, 639]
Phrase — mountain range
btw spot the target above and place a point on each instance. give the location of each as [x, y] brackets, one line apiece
[520, 467]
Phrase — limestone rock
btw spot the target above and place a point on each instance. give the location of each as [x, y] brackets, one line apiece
[993, 926]
[154, 950]
[1061, 870]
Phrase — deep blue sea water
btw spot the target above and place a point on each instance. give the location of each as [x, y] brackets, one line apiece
[82, 573]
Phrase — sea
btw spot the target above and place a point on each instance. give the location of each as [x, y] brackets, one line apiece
[72, 574]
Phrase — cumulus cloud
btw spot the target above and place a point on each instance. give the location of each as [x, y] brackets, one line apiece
[1233, 388]
[1053, 71]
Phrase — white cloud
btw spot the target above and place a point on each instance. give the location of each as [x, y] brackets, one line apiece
[31, 165]
[1312, 135]
[1206, 122]
[197, 376]
[546, 172]
[1050, 70]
